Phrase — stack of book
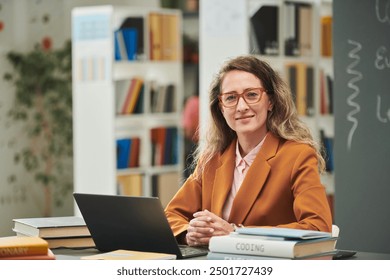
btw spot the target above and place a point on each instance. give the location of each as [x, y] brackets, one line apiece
[58, 232]
[272, 243]
[24, 248]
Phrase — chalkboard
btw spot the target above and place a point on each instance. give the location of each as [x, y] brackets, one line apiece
[361, 48]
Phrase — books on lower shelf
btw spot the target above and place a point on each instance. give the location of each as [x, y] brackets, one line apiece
[290, 244]
[128, 150]
[164, 146]
[130, 184]
[165, 186]
[130, 255]
[300, 78]
[58, 232]
[26, 247]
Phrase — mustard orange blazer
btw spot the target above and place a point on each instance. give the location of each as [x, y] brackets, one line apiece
[281, 188]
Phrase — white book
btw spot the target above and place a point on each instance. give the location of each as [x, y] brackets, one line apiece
[270, 246]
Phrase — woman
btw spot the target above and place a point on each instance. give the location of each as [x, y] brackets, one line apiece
[259, 165]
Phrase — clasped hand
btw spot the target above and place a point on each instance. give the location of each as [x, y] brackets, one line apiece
[205, 225]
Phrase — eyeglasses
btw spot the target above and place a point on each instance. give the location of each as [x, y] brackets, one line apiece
[251, 96]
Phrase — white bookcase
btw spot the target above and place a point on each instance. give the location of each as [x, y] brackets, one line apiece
[96, 76]
[234, 44]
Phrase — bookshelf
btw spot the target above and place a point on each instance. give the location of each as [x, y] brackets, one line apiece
[305, 51]
[302, 54]
[108, 69]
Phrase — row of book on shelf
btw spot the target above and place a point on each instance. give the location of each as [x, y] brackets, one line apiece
[273, 243]
[130, 96]
[164, 148]
[163, 35]
[164, 185]
[298, 30]
[300, 78]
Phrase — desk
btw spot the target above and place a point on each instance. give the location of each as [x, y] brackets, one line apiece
[72, 254]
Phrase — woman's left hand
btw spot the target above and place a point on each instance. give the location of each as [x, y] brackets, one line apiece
[205, 225]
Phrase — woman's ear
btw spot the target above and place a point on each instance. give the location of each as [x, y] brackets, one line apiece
[270, 106]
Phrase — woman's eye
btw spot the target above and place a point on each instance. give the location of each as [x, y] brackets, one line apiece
[231, 97]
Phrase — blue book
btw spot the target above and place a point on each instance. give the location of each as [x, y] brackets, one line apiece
[123, 152]
[130, 38]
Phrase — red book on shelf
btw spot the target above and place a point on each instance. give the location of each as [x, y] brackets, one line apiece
[134, 154]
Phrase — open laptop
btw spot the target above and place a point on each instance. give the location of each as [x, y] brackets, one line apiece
[131, 223]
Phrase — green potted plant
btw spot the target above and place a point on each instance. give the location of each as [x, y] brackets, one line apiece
[43, 104]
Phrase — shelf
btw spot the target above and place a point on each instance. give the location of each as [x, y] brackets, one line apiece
[116, 136]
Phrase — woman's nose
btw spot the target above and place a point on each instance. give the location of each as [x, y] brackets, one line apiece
[242, 105]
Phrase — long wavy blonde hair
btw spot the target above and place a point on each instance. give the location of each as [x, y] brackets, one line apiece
[282, 121]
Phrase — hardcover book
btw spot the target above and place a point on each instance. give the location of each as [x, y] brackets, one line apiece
[51, 226]
[22, 246]
[130, 255]
[270, 246]
[48, 256]
[284, 232]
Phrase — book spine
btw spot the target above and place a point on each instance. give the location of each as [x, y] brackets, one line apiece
[228, 256]
[252, 246]
[27, 250]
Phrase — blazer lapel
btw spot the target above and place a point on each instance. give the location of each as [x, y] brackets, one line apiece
[223, 179]
[254, 180]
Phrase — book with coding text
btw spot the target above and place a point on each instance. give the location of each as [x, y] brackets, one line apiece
[270, 246]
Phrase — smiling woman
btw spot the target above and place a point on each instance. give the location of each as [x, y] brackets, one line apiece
[259, 166]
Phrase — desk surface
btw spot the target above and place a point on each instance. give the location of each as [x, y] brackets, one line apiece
[75, 254]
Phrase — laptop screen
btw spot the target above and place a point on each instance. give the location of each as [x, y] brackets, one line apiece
[126, 222]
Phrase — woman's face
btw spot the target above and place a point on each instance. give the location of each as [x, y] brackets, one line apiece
[247, 120]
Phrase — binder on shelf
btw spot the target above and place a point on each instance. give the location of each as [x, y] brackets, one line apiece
[164, 32]
[155, 37]
[136, 23]
[265, 24]
[305, 30]
[291, 38]
[301, 81]
[122, 152]
[125, 45]
[130, 184]
[326, 36]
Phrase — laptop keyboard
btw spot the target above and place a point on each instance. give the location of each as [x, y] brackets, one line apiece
[188, 251]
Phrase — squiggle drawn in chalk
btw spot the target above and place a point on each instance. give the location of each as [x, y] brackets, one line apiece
[357, 76]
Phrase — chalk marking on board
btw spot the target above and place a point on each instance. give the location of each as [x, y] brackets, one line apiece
[382, 18]
[378, 109]
[357, 76]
